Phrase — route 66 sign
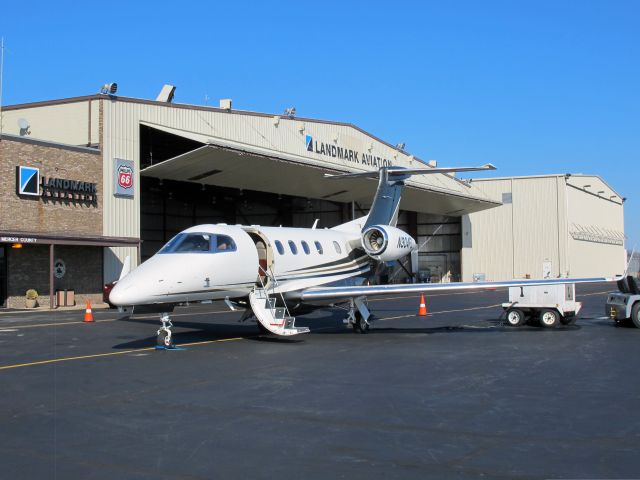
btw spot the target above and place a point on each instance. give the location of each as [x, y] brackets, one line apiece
[123, 178]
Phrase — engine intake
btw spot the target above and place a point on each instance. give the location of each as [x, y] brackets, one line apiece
[385, 243]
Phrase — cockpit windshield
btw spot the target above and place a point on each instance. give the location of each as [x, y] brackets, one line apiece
[199, 243]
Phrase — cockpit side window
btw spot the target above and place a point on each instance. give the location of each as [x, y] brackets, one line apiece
[199, 243]
[188, 243]
[225, 244]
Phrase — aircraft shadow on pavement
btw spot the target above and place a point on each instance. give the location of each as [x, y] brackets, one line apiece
[202, 332]
[329, 324]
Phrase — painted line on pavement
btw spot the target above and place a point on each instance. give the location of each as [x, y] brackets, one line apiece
[440, 312]
[111, 354]
[115, 319]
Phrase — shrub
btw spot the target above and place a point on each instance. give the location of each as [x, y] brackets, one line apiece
[32, 294]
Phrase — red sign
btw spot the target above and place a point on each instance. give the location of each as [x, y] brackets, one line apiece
[125, 176]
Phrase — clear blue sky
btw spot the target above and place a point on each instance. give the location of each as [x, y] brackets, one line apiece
[533, 86]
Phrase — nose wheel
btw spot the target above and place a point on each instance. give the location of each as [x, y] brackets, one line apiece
[163, 338]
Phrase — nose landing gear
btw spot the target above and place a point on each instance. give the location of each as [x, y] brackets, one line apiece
[163, 338]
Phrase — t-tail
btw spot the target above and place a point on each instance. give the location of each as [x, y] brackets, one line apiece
[391, 180]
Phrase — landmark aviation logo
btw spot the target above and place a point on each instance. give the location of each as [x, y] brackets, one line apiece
[28, 181]
[347, 154]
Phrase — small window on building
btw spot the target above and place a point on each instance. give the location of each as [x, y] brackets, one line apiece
[318, 247]
[279, 247]
[336, 245]
[293, 247]
[225, 244]
[305, 247]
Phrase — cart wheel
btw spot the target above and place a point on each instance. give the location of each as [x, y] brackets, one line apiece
[515, 317]
[635, 314]
[549, 318]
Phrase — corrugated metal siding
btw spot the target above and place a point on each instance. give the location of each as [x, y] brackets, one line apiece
[487, 237]
[535, 226]
[598, 214]
[544, 212]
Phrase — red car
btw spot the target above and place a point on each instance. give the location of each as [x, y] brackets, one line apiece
[106, 290]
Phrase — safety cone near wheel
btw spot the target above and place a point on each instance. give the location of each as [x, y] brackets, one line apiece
[422, 311]
[88, 314]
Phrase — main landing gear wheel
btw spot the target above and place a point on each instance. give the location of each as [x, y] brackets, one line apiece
[549, 318]
[515, 317]
[360, 325]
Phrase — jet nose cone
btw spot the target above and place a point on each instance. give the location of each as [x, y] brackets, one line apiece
[119, 295]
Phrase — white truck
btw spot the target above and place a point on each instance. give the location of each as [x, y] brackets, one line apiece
[551, 305]
[624, 305]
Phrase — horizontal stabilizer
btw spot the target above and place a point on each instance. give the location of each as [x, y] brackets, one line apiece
[399, 171]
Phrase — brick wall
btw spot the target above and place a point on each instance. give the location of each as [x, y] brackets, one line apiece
[39, 214]
[28, 267]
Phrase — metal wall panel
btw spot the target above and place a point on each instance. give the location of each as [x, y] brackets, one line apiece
[516, 239]
[603, 252]
[65, 123]
[487, 237]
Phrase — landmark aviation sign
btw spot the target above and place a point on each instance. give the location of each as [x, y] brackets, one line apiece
[29, 183]
[346, 154]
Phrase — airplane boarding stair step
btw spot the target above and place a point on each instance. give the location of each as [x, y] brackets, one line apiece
[274, 319]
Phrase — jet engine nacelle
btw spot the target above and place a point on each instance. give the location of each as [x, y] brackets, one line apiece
[386, 244]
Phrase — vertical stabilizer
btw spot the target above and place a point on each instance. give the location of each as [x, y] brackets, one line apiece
[386, 203]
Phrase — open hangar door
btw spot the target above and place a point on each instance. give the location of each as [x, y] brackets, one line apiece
[170, 203]
[185, 183]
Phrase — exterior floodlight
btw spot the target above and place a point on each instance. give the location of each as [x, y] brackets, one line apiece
[109, 88]
[290, 112]
[400, 146]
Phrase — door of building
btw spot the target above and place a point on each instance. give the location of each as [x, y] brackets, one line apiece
[3, 276]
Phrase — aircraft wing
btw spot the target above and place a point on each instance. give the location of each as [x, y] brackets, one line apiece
[337, 293]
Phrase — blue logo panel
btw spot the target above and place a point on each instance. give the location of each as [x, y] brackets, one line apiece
[28, 181]
[309, 142]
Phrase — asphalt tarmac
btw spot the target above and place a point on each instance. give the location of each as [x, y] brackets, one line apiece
[454, 395]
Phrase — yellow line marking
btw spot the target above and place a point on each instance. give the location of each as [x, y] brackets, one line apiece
[110, 354]
[114, 319]
[442, 311]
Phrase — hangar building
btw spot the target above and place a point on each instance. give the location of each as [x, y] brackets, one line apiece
[88, 181]
[547, 226]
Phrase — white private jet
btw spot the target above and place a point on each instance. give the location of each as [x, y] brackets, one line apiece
[273, 271]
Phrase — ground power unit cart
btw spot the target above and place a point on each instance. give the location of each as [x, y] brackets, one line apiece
[546, 305]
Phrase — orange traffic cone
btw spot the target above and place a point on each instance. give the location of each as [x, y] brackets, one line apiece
[422, 311]
[88, 315]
